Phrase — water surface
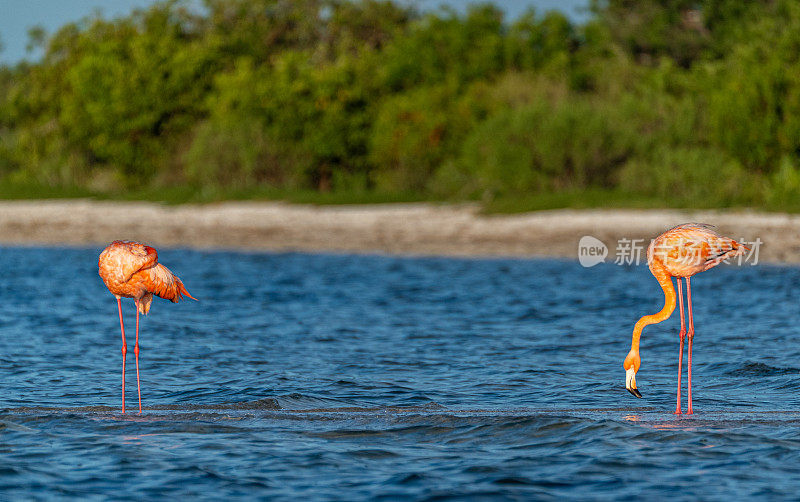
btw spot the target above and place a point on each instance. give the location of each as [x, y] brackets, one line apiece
[366, 377]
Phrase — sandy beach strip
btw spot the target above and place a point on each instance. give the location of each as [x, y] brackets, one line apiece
[405, 229]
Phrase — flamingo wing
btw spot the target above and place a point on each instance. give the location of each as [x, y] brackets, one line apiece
[160, 281]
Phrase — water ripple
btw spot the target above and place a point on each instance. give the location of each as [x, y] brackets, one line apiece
[365, 377]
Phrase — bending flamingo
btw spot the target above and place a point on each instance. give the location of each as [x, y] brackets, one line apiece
[682, 251]
[131, 270]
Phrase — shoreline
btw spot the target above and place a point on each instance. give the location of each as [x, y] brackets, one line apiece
[399, 229]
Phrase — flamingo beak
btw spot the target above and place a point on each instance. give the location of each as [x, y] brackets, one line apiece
[630, 382]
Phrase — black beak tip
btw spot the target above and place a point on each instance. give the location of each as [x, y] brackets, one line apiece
[635, 392]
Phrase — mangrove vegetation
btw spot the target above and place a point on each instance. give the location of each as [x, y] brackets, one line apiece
[644, 103]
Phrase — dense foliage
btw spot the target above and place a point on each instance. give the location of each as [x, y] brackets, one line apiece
[684, 102]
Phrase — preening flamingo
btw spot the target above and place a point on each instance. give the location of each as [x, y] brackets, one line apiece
[131, 270]
[682, 251]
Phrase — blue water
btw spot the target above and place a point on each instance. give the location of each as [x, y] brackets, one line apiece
[364, 377]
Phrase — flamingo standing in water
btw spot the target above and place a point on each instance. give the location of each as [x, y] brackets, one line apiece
[131, 270]
[682, 251]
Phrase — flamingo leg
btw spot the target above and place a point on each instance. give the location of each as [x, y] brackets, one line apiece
[681, 335]
[136, 353]
[690, 333]
[124, 350]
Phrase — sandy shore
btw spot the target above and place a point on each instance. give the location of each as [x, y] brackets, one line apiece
[418, 229]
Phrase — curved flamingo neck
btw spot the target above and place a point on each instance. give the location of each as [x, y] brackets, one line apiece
[665, 280]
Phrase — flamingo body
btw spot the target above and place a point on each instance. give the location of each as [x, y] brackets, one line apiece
[691, 248]
[681, 252]
[131, 270]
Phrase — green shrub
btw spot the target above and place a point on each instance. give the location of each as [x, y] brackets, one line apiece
[234, 155]
[413, 134]
[692, 176]
[572, 144]
[647, 99]
[784, 185]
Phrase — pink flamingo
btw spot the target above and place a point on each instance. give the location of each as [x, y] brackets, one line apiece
[682, 251]
[131, 270]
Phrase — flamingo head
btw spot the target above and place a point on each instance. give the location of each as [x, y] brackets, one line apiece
[631, 365]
